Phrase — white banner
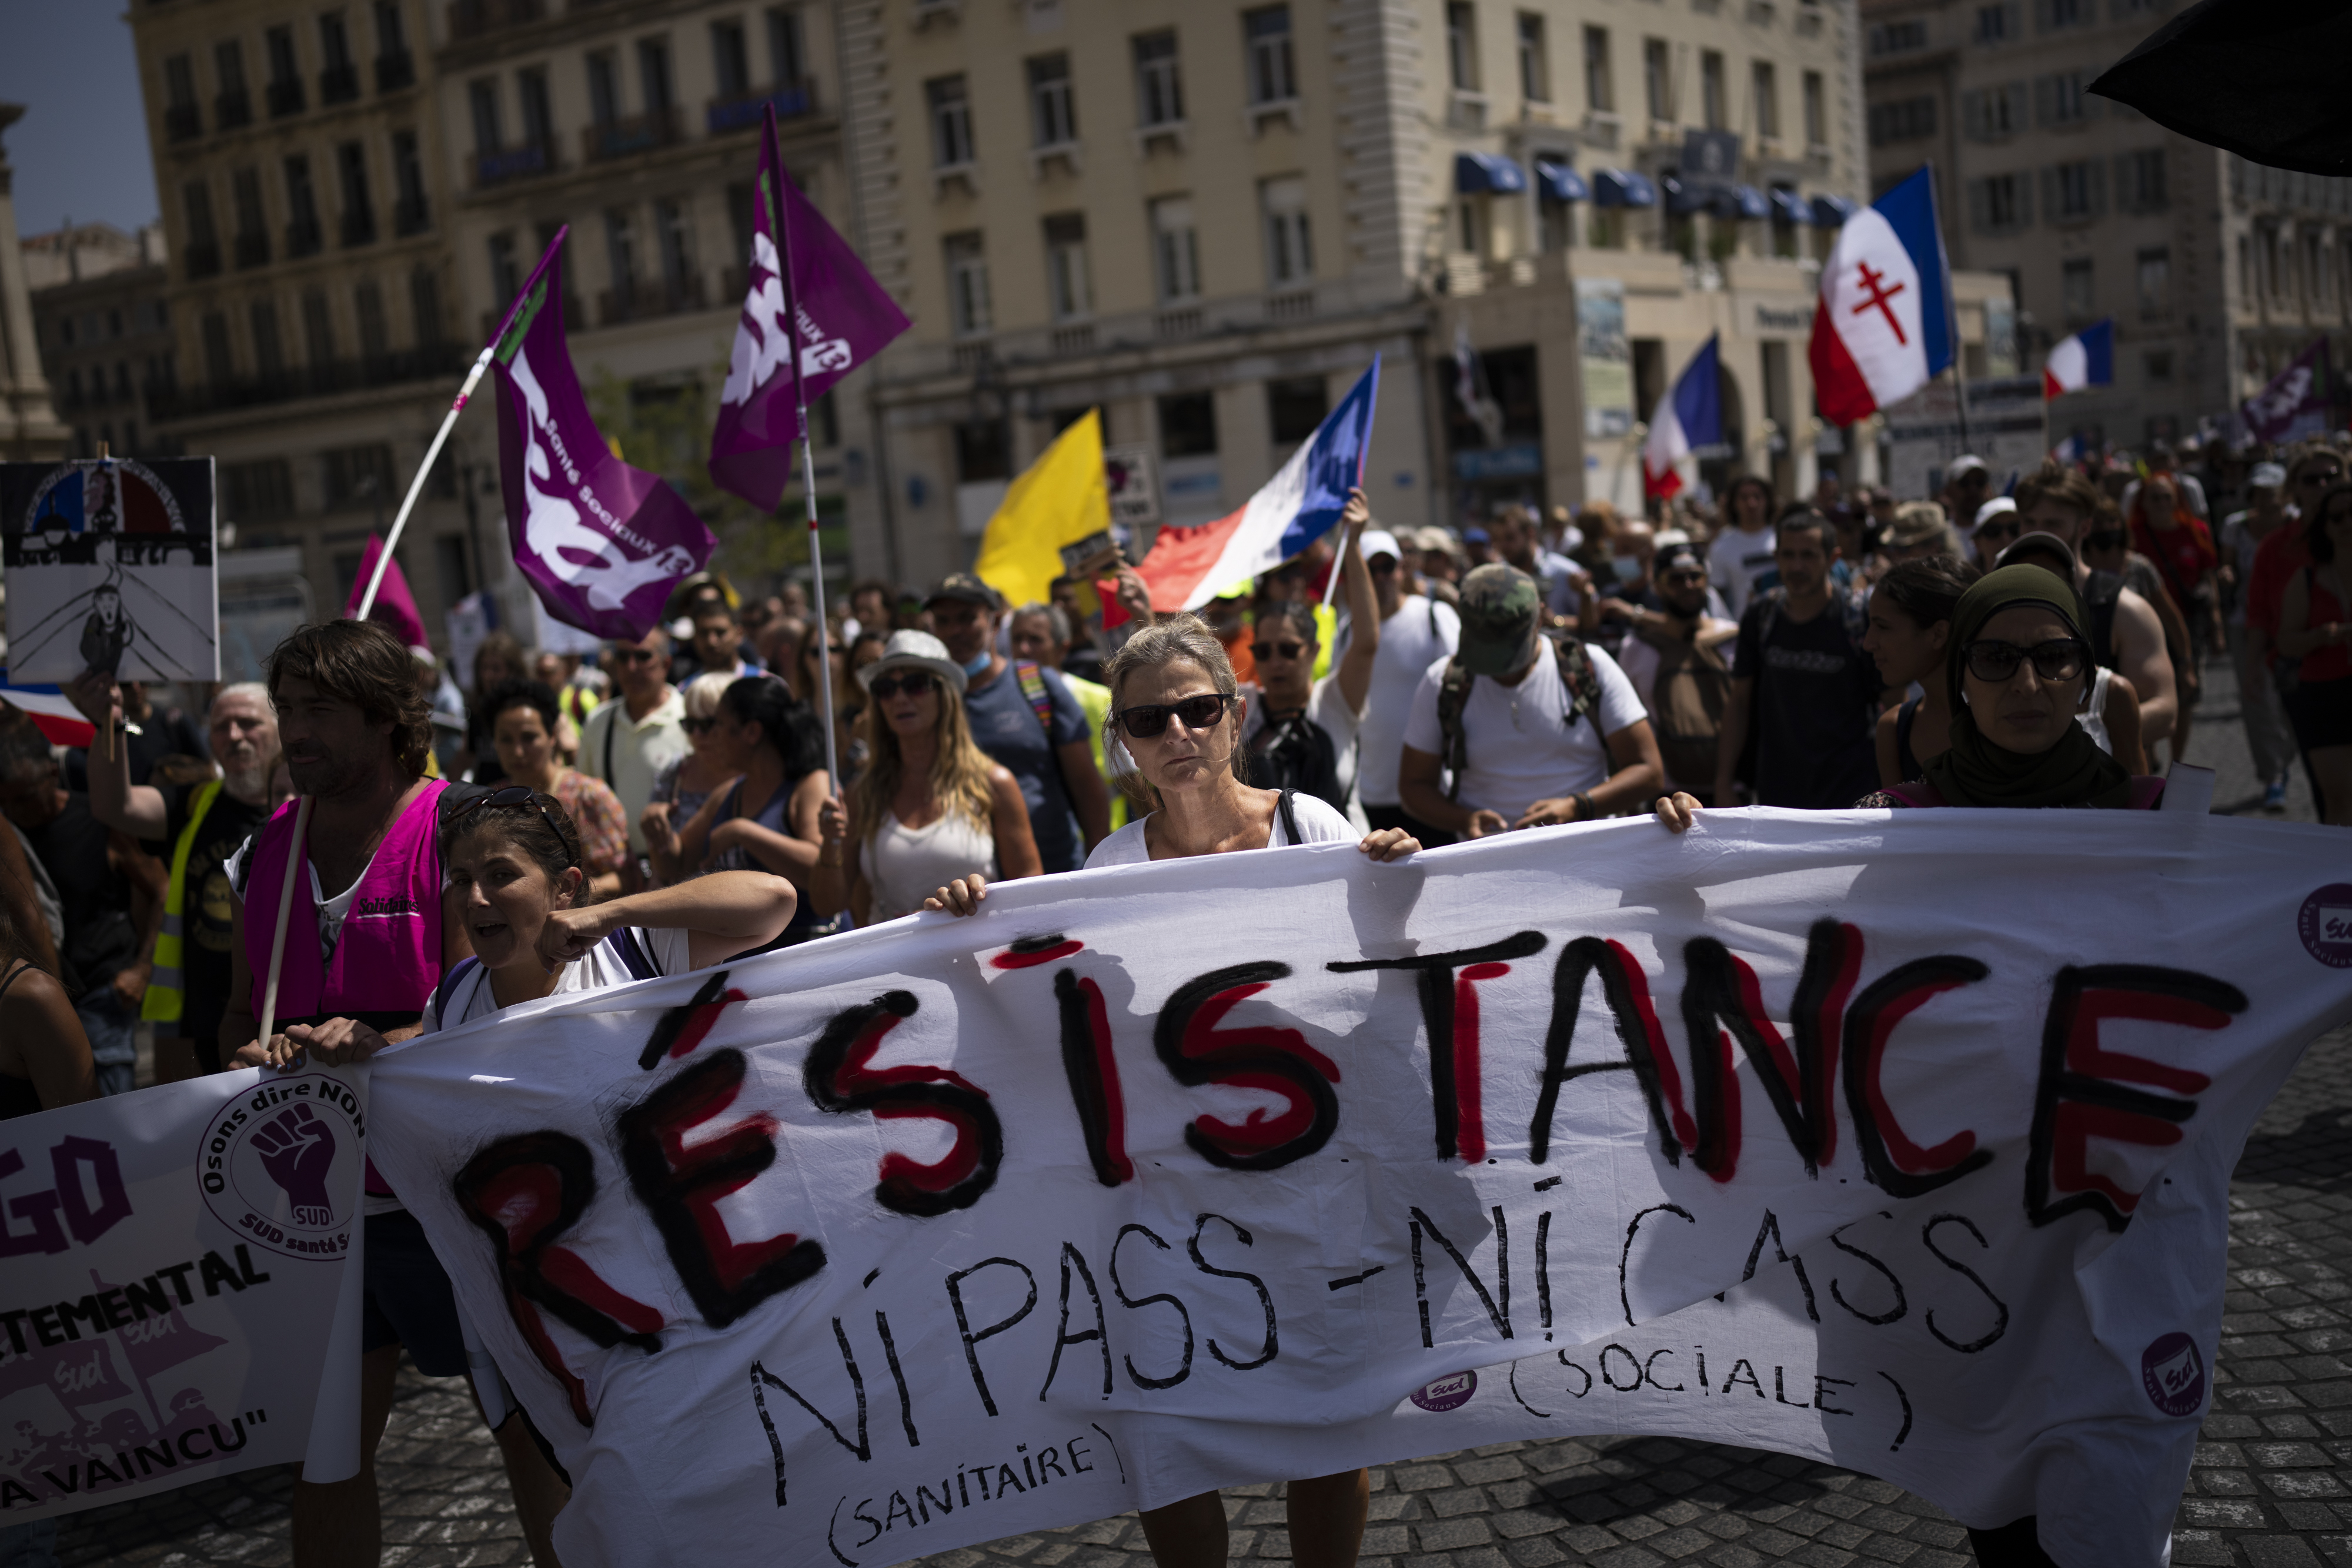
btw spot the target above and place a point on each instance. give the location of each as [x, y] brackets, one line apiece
[1212, 1171]
[175, 1283]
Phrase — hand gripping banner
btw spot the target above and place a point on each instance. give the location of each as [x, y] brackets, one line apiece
[1901, 1142]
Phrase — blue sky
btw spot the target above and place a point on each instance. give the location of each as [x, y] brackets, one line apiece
[81, 149]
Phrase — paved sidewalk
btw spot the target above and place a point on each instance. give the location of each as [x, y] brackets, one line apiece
[2272, 1488]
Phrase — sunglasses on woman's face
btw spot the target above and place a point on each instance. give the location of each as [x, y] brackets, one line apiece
[697, 725]
[1998, 529]
[913, 683]
[1278, 650]
[2060, 659]
[1148, 721]
[517, 795]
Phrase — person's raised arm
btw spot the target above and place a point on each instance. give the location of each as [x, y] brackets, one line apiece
[1355, 670]
[722, 914]
[137, 809]
[2121, 713]
[2141, 659]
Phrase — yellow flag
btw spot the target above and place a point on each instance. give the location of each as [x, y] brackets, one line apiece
[1060, 499]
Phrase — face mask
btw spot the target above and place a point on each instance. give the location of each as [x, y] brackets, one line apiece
[977, 666]
[1627, 567]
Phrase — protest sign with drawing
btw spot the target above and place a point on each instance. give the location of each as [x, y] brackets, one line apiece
[174, 1285]
[109, 565]
[1154, 1179]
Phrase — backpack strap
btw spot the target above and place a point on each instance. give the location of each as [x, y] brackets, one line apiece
[448, 986]
[1453, 696]
[612, 722]
[1289, 817]
[1581, 679]
[632, 954]
[1033, 686]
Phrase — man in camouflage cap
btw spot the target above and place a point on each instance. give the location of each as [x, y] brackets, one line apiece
[1534, 733]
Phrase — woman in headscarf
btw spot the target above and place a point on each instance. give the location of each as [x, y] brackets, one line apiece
[2015, 678]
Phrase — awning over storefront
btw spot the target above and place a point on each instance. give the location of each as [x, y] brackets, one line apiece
[1744, 201]
[1558, 182]
[1831, 211]
[1485, 173]
[1790, 207]
[1623, 188]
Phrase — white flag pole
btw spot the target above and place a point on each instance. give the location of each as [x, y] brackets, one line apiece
[294, 854]
[777, 216]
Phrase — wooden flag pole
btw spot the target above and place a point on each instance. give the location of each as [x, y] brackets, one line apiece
[294, 854]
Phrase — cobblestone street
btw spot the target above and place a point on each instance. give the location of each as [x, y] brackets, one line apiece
[2271, 1486]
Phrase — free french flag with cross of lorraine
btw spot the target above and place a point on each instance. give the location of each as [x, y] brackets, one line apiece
[1884, 326]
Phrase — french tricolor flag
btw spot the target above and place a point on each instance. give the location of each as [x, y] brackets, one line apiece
[1884, 326]
[2083, 361]
[51, 711]
[1188, 567]
[1688, 416]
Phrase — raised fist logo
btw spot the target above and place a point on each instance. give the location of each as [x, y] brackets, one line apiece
[297, 1149]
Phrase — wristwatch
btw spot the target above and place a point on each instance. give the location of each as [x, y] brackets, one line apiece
[1586, 810]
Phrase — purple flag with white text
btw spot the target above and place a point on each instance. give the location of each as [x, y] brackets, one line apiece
[843, 317]
[601, 542]
[2294, 404]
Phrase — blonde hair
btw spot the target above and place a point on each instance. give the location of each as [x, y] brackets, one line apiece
[1183, 638]
[703, 692]
[958, 779]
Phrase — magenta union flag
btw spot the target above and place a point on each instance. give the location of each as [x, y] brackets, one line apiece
[809, 277]
[601, 542]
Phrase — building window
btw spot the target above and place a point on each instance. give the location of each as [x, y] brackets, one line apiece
[621, 253]
[1712, 96]
[1187, 426]
[950, 105]
[1764, 88]
[2058, 15]
[252, 224]
[339, 80]
[1066, 288]
[2140, 179]
[256, 492]
[488, 137]
[2059, 100]
[285, 74]
[181, 119]
[1175, 249]
[367, 305]
[1289, 248]
[672, 234]
[1905, 120]
[967, 303]
[1159, 89]
[1994, 114]
[424, 304]
[1997, 24]
[1599, 88]
[2155, 275]
[394, 68]
[785, 56]
[2000, 204]
[1267, 32]
[2073, 192]
[1535, 62]
[1816, 116]
[359, 213]
[303, 237]
[1657, 81]
[1053, 110]
[983, 451]
[2075, 295]
[234, 106]
[1462, 45]
[219, 368]
[1898, 37]
[411, 216]
[1295, 406]
[604, 89]
[269, 353]
[538, 116]
[358, 476]
[2156, 363]
[730, 59]
[653, 74]
[319, 336]
[506, 271]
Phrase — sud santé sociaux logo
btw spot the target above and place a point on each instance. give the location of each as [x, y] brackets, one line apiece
[281, 1164]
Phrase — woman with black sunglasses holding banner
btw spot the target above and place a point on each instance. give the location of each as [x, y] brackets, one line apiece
[2016, 674]
[931, 809]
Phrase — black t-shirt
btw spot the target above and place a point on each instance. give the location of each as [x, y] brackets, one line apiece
[99, 935]
[1816, 707]
[207, 920]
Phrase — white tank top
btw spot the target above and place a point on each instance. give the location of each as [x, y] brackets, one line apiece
[904, 866]
[2094, 716]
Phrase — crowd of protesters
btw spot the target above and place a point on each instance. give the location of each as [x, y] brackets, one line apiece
[552, 822]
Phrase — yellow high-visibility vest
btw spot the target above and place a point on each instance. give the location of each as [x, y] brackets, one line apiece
[165, 988]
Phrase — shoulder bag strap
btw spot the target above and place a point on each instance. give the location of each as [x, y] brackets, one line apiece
[1033, 686]
[1289, 817]
[448, 986]
[612, 722]
[633, 955]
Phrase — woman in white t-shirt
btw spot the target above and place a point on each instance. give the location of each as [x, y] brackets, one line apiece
[513, 860]
[1178, 710]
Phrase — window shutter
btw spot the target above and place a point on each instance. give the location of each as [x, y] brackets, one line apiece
[2017, 91]
[1979, 207]
[2095, 175]
[2128, 197]
[1972, 115]
[2045, 99]
[2049, 201]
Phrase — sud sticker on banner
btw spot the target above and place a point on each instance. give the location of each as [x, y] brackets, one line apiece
[174, 1284]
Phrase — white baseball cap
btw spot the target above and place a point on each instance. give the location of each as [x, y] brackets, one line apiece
[1993, 509]
[1380, 541]
[1967, 462]
[2267, 476]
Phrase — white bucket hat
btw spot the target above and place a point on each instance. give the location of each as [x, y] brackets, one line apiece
[915, 650]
